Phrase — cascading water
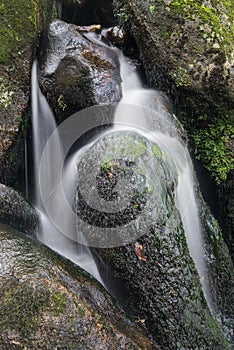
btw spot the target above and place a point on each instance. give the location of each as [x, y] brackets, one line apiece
[44, 125]
[164, 129]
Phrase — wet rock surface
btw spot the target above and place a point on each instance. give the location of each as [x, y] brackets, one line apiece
[220, 271]
[48, 303]
[15, 211]
[76, 73]
[157, 282]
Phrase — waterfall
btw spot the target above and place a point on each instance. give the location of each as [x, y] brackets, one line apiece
[43, 126]
[163, 127]
[158, 123]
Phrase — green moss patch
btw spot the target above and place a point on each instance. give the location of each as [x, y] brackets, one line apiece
[21, 21]
[212, 147]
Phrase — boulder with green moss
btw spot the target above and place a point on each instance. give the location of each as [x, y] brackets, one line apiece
[141, 248]
[186, 48]
[49, 303]
[20, 27]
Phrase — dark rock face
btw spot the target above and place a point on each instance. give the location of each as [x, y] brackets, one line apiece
[21, 23]
[49, 303]
[76, 73]
[15, 211]
[154, 271]
[86, 12]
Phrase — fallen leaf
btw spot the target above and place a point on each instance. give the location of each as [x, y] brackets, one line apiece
[138, 250]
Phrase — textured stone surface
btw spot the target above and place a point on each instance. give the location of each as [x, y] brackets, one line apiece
[49, 303]
[15, 211]
[186, 48]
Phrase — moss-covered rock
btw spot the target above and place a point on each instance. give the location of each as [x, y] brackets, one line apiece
[157, 282]
[220, 276]
[187, 51]
[125, 190]
[49, 303]
[20, 27]
[226, 205]
[186, 48]
[75, 73]
[15, 211]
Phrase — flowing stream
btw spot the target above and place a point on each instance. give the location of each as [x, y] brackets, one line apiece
[44, 125]
[164, 128]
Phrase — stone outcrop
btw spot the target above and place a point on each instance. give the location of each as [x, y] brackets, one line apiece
[186, 49]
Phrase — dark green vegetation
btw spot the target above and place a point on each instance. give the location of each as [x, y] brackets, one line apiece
[214, 146]
[18, 18]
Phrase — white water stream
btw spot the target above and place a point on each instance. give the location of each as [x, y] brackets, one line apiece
[163, 128]
[44, 125]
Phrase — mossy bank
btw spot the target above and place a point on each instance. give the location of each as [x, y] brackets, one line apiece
[20, 28]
